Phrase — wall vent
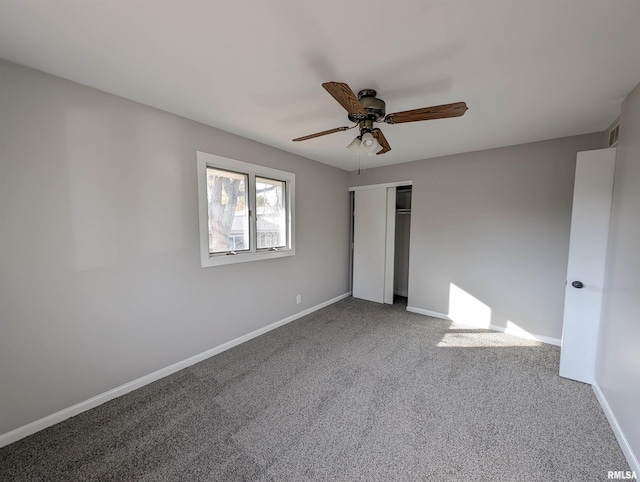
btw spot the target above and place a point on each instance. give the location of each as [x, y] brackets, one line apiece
[613, 135]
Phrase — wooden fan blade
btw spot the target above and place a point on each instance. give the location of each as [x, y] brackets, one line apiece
[345, 97]
[382, 140]
[427, 113]
[323, 133]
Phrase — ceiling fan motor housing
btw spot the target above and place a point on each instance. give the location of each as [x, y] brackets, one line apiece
[374, 107]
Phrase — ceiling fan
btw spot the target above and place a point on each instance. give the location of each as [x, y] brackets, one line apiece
[366, 108]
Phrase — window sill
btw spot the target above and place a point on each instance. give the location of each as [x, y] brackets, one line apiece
[209, 260]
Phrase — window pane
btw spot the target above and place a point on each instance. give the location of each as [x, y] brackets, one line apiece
[228, 211]
[271, 216]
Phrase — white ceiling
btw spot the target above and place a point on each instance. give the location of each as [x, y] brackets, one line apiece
[528, 70]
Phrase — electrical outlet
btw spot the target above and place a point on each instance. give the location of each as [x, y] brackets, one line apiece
[298, 299]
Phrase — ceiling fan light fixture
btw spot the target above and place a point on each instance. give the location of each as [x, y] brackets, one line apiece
[369, 143]
[376, 150]
[354, 145]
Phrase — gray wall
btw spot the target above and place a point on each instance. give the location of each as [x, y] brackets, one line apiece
[618, 361]
[100, 277]
[496, 224]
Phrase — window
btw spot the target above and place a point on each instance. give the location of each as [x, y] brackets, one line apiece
[227, 209]
[246, 211]
[271, 213]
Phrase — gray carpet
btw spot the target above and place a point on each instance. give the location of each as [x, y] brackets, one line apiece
[356, 391]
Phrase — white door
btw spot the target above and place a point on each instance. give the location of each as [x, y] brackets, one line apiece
[371, 244]
[592, 194]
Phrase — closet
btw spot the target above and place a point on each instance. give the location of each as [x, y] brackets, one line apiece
[380, 229]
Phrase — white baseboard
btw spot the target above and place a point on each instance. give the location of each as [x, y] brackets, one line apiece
[508, 331]
[434, 314]
[632, 460]
[57, 417]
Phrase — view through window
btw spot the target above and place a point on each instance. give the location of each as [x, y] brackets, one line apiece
[228, 211]
[270, 213]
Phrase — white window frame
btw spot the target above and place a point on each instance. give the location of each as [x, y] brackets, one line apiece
[207, 259]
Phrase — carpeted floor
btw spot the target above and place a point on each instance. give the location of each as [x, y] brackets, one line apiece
[355, 391]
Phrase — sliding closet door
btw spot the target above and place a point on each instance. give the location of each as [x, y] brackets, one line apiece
[369, 244]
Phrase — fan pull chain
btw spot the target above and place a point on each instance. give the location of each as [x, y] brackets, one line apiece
[361, 170]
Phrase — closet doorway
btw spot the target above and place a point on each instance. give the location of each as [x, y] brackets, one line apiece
[381, 225]
[403, 232]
